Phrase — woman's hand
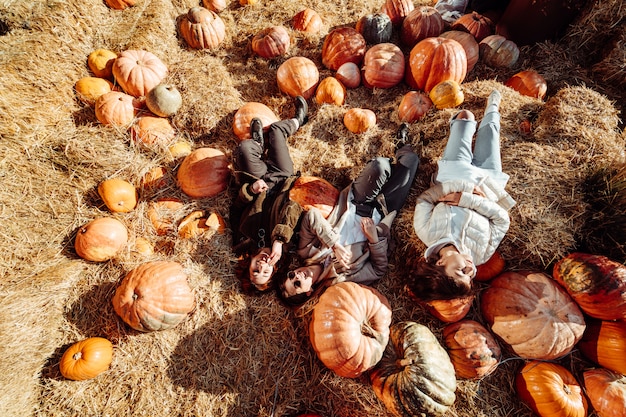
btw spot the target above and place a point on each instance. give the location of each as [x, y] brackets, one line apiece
[478, 191]
[259, 186]
[342, 255]
[369, 229]
[451, 199]
[277, 252]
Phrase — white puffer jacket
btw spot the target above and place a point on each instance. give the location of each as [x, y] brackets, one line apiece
[485, 220]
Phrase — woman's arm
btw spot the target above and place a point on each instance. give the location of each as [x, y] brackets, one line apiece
[314, 231]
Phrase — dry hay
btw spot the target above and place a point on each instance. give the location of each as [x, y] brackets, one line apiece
[236, 355]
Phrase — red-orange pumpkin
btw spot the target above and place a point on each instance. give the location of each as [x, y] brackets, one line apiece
[116, 109]
[271, 42]
[550, 390]
[383, 66]
[138, 71]
[349, 328]
[604, 342]
[469, 45]
[413, 106]
[397, 10]
[450, 311]
[606, 391]
[473, 350]
[330, 91]
[528, 83]
[120, 4]
[154, 296]
[359, 120]
[476, 24]
[343, 45]
[532, 314]
[311, 191]
[434, 60]
[595, 282]
[247, 112]
[202, 28]
[307, 20]
[490, 269]
[298, 76]
[498, 51]
[204, 173]
[86, 359]
[101, 239]
[423, 22]
[349, 74]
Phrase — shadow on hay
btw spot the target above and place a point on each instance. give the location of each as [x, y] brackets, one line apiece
[50, 369]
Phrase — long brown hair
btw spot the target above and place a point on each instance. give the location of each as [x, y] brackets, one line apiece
[429, 281]
[242, 272]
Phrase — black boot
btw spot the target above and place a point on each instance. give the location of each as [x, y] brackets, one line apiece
[402, 136]
[256, 131]
[302, 108]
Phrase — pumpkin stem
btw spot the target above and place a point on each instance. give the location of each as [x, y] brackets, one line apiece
[368, 331]
[567, 389]
[77, 355]
[401, 363]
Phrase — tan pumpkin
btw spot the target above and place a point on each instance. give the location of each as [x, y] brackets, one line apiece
[247, 112]
[204, 173]
[307, 20]
[116, 109]
[452, 310]
[343, 45]
[383, 66]
[550, 390]
[423, 22]
[202, 28]
[358, 120]
[415, 376]
[413, 106]
[469, 44]
[498, 51]
[120, 4]
[138, 71]
[86, 359]
[143, 247]
[349, 74]
[311, 191]
[434, 60]
[532, 315]
[606, 391]
[149, 130]
[100, 62]
[492, 268]
[154, 296]
[88, 89]
[216, 6]
[163, 213]
[179, 149]
[475, 24]
[604, 343]
[397, 10]
[330, 91]
[349, 328]
[101, 239]
[164, 100]
[271, 42]
[447, 94]
[119, 195]
[473, 350]
[298, 76]
[528, 83]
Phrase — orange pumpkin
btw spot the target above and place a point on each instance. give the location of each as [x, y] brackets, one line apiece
[100, 62]
[116, 109]
[150, 130]
[383, 66]
[434, 60]
[476, 24]
[271, 42]
[349, 74]
[202, 28]
[528, 83]
[349, 328]
[86, 359]
[120, 196]
[595, 282]
[163, 212]
[413, 106]
[310, 191]
[450, 311]
[606, 391]
[154, 296]
[101, 239]
[331, 91]
[298, 76]
[359, 120]
[216, 6]
[447, 94]
[604, 342]
[473, 350]
[138, 71]
[533, 315]
[120, 4]
[397, 10]
[498, 51]
[197, 224]
[88, 89]
[423, 22]
[469, 44]
[550, 390]
[156, 178]
[307, 20]
[343, 45]
[204, 173]
[247, 112]
[490, 269]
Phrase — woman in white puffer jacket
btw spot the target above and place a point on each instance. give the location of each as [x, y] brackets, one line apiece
[464, 216]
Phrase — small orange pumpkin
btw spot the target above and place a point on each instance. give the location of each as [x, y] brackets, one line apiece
[490, 269]
[156, 178]
[88, 89]
[498, 51]
[120, 4]
[120, 196]
[100, 62]
[271, 42]
[138, 71]
[307, 20]
[202, 28]
[423, 22]
[298, 76]
[101, 239]
[116, 109]
[383, 66]
[473, 351]
[469, 44]
[216, 6]
[606, 391]
[475, 24]
[450, 311]
[397, 10]
[204, 173]
[150, 130]
[349, 74]
[359, 120]
[331, 91]
[413, 106]
[163, 213]
[247, 112]
[86, 359]
[447, 94]
[310, 191]
[343, 45]
[528, 83]
[604, 343]
[434, 60]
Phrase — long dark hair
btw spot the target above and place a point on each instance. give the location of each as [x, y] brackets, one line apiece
[429, 281]
[242, 272]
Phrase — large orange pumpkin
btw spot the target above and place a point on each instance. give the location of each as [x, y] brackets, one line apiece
[119, 195]
[298, 76]
[154, 296]
[271, 42]
[101, 239]
[116, 109]
[533, 315]
[434, 60]
[247, 112]
[307, 20]
[383, 66]
[310, 191]
[473, 350]
[413, 106]
[86, 359]
[330, 91]
[476, 24]
[204, 173]
[604, 342]
[349, 328]
[397, 10]
[595, 282]
[343, 45]
[138, 71]
[423, 22]
[202, 28]
[469, 44]
[606, 391]
[550, 390]
[528, 83]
